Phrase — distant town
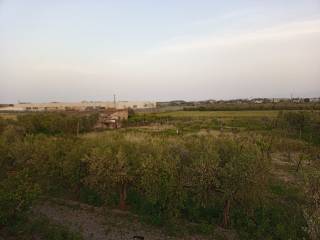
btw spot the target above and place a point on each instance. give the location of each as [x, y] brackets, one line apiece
[77, 106]
[238, 101]
[141, 105]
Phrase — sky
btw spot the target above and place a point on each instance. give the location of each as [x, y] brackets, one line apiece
[74, 50]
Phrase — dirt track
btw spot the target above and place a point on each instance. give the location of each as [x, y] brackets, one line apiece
[98, 224]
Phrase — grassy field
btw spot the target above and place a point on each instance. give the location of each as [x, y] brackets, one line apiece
[8, 116]
[218, 114]
[193, 114]
[193, 121]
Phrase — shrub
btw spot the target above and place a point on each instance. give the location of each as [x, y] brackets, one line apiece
[17, 193]
[312, 210]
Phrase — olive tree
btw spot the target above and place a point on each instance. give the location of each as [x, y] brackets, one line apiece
[242, 174]
[112, 167]
[161, 179]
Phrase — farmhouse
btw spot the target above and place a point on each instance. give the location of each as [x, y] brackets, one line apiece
[111, 118]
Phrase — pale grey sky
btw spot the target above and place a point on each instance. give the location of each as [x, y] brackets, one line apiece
[68, 50]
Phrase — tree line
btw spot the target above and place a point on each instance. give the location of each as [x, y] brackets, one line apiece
[254, 106]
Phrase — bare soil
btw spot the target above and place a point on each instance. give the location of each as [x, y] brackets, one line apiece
[100, 224]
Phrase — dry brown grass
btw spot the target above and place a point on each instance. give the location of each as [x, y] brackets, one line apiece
[12, 116]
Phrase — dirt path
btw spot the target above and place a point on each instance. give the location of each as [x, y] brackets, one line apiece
[97, 224]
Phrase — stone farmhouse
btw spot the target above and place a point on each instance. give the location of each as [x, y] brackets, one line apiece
[110, 114]
[111, 118]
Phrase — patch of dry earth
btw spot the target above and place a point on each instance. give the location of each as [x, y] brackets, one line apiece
[99, 224]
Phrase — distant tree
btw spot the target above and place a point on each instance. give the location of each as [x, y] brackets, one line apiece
[131, 112]
[297, 122]
[57, 123]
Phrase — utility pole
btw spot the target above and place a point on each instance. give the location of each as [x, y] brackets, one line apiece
[114, 101]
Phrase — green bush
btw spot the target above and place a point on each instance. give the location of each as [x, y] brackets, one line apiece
[56, 123]
[17, 193]
[302, 124]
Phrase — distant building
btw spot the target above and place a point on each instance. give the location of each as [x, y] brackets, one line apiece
[80, 106]
[297, 100]
[314, 100]
[259, 100]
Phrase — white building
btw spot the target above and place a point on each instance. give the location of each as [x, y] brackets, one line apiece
[80, 106]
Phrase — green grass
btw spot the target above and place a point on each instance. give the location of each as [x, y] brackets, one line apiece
[193, 121]
[218, 114]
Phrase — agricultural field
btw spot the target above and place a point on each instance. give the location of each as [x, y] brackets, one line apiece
[166, 175]
[12, 116]
[219, 114]
[159, 120]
